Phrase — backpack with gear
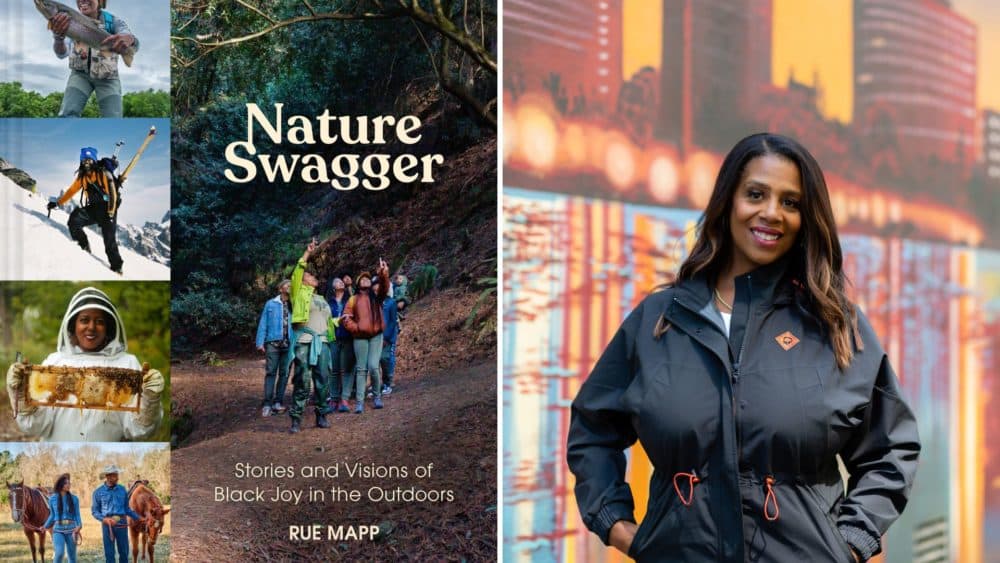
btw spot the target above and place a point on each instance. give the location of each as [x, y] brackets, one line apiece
[104, 202]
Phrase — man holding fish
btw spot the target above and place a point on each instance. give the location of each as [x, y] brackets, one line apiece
[97, 39]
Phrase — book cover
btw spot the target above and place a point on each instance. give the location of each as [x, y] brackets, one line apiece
[334, 223]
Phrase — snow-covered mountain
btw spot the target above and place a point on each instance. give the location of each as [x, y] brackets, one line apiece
[151, 240]
[44, 250]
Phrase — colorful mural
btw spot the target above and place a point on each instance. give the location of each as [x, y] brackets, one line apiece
[616, 117]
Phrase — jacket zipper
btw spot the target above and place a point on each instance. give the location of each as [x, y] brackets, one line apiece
[734, 379]
[736, 402]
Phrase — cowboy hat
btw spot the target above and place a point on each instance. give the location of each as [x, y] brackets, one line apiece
[110, 469]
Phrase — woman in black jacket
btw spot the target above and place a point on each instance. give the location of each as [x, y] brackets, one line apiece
[744, 380]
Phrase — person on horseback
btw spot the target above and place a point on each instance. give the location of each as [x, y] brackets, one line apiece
[64, 520]
[110, 506]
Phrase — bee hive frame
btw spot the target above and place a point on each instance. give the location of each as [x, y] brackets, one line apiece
[94, 388]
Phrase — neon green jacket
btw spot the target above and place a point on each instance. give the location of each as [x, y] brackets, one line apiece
[301, 295]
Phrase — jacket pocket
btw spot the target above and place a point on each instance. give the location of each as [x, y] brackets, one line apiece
[835, 536]
[661, 504]
[665, 528]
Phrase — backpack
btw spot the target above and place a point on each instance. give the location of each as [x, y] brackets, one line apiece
[109, 21]
[95, 193]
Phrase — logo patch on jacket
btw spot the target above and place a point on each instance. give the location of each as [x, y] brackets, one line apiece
[787, 340]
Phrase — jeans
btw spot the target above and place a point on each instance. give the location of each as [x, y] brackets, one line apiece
[367, 351]
[336, 383]
[276, 367]
[115, 538]
[306, 376]
[83, 216]
[388, 362]
[78, 89]
[64, 544]
[347, 360]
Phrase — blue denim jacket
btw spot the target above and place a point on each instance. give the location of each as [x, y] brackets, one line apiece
[111, 501]
[70, 511]
[271, 319]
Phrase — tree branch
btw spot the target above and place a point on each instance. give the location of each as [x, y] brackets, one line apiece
[430, 52]
[445, 27]
[292, 21]
[257, 11]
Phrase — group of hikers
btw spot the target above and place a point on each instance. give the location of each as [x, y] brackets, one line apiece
[332, 338]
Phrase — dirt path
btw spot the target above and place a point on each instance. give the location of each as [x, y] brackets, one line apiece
[447, 418]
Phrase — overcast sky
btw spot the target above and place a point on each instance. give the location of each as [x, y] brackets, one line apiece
[26, 55]
[70, 448]
[49, 151]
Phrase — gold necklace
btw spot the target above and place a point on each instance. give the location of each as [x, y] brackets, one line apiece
[723, 301]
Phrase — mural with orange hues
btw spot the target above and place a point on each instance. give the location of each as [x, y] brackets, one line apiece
[610, 152]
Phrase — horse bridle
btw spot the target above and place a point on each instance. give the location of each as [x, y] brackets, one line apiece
[24, 507]
[18, 512]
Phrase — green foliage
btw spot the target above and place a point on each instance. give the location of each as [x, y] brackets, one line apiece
[8, 472]
[149, 103]
[489, 324]
[423, 282]
[17, 102]
[210, 358]
[35, 312]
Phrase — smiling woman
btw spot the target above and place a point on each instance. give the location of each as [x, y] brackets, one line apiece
[92, 335]
[745, 381]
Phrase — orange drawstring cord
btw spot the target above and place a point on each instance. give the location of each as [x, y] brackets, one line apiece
[770, 498]
[692, 479]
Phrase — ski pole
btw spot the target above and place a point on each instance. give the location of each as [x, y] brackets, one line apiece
[138, 153]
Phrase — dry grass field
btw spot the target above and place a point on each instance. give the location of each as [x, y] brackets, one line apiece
[14, 545]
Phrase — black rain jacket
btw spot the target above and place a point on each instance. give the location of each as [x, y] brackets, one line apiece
[743, 432]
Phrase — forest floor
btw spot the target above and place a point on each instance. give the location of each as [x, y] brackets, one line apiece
[442, 412]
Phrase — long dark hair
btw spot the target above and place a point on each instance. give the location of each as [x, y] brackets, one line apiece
[815, 261]
[60, 483]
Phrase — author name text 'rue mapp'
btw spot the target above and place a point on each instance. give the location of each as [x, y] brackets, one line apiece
[319, 532]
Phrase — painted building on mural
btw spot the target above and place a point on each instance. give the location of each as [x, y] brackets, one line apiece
[570, 48]
[716, 63]
[915, 83]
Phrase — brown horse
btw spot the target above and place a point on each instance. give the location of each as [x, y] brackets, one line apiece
[145, 503]
[30, 507]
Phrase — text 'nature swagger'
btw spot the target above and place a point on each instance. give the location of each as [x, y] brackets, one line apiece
[342, 171]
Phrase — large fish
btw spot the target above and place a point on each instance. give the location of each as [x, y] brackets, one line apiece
[81, 28]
